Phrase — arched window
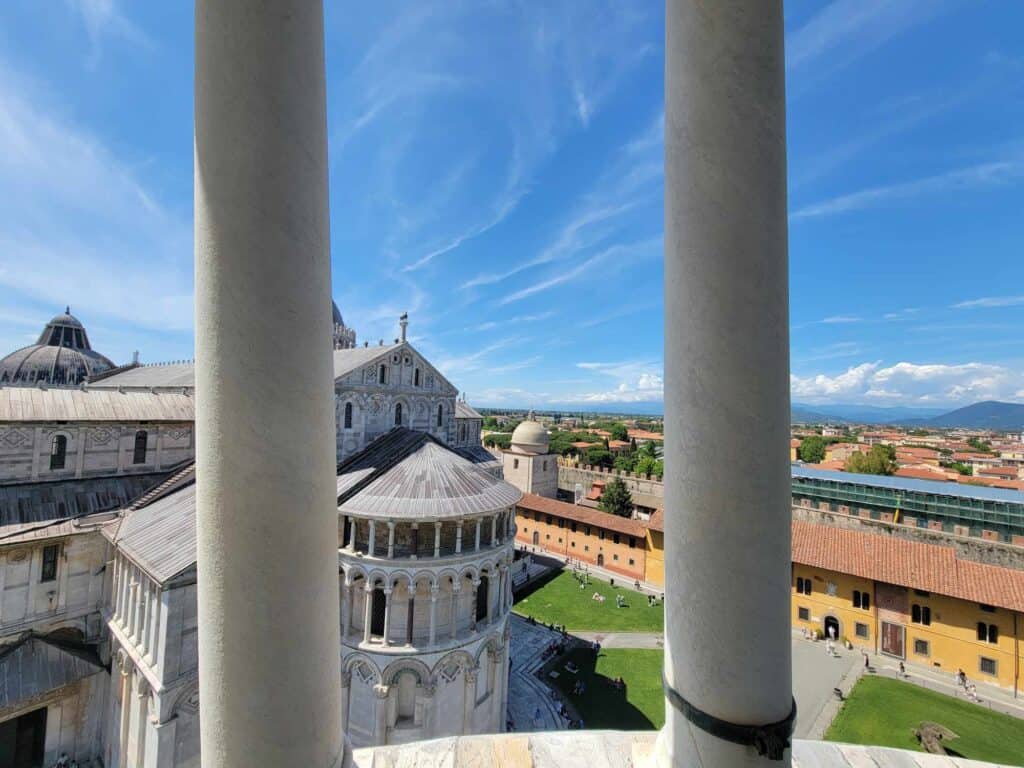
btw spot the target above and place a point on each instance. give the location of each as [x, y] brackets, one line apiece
[398, 415]
[58, 451]
[440, 414]
[382, 374]
[141, 439]
[915, 614]
[988, 633]
[348, 415]
[416, 377]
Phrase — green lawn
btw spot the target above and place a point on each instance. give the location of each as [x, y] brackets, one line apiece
[640, 707]
[884, 712]
[561, 601]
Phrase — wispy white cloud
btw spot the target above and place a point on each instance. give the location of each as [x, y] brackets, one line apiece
[982, 175]
[102, 18]
[75, 214]
[846, 30]
[615, 257]
[840, 319]
[636, 381]
[988, 302]
[901, 313]
[912, 383]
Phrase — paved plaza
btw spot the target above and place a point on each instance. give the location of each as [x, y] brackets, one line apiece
[527, 694]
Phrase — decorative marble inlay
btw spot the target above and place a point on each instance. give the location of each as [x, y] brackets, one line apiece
[14, 437]
[99, 436]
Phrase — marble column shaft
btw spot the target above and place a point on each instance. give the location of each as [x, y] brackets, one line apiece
[727, 536]
[265, 413]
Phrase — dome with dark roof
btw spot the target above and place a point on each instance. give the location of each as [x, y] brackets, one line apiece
[61, 357]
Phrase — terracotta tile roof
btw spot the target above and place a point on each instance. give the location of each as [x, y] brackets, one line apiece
[643, 434]
[911, 564]
[584, 515]
[922, 474]
[618, 444]
[657, 521]
[1010, 472]
[794, 443]
[835, 465]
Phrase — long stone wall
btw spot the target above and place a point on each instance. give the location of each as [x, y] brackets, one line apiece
[646, 491]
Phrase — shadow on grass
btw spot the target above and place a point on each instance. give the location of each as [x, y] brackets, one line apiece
[528, 589]
[602, 705]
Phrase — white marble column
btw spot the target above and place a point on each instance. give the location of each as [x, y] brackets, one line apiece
[476, 541]
[433, 615]
[458, 537]
[727, 536]
[437, 539]
[346, 609]
[494, 530]
[264, 494]
[160, 743]
[391, 540]
[454, 612]
[372, 540]
[346, 689]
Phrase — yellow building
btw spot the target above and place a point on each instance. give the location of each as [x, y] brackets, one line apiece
[656, 549]
[909, 600]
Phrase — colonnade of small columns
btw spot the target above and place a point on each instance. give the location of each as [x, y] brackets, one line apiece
[432, 538]
[459, 613]
[137, 606]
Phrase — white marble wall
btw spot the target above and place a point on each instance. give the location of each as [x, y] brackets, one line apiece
[73, 598]
[94, 449]
[374, 404]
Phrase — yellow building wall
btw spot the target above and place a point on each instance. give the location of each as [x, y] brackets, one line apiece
[953, 641]
[655, 571]
[952, 636]
[832, 595]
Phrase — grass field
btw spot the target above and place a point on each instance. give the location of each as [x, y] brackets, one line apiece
[884, 712]
[561, 601]
[640, 707]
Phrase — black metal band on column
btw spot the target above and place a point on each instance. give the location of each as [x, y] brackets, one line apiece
[770, 741]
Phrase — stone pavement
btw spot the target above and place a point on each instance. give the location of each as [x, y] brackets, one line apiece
[525, 692]
[815, 676]
[649, 640]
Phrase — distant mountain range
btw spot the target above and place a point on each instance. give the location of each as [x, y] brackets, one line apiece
[986, 415]
[990, 414]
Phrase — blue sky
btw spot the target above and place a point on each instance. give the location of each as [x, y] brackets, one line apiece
[496, 171]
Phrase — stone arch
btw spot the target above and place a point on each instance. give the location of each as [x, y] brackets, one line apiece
[187, 700]
[457, 662]
[448, 573]
[490, 647]
[395, 668]
[407, 413]
[431, 578]
[396, 576]
[472, 570]
[353, 662]
[377, 577]
[353, 572]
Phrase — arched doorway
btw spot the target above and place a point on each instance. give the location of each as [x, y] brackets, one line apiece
[831, 626]
[600, 560]
[536, 538]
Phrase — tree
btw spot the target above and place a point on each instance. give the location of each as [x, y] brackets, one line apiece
[498, 440]
[644, 465]
[619, 432]
[616, 499]
[812, 449]
[659, 468]
[979, 445]
[490, 423]
[880, 460]
[597, 456]
[623, 463]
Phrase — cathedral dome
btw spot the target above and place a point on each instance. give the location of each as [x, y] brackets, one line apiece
[530, 437]
[62, 356]
[344, 337]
